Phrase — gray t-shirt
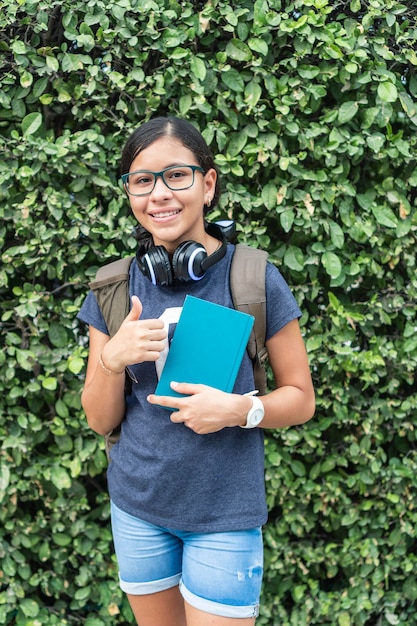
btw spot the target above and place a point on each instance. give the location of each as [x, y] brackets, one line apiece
[166, 474]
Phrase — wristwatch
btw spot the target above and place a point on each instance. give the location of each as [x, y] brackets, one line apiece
[256, 413]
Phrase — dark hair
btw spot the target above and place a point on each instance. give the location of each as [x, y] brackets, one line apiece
[180, 129]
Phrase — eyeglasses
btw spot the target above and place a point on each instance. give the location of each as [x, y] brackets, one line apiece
[176, 178]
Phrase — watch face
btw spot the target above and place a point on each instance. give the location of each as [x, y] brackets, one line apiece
[256, 417]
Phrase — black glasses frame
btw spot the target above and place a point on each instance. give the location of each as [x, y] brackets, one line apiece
[161, 174]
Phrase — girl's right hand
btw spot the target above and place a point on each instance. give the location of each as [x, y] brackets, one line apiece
[136, 340]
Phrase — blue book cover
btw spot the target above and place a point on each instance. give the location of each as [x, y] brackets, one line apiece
[207, 347]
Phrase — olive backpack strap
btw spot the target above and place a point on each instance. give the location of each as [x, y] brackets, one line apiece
[247, 285]
[111, 288]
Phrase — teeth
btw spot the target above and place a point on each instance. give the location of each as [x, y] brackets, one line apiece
[165, 214]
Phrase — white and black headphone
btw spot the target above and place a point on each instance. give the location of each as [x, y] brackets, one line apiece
[190, 260]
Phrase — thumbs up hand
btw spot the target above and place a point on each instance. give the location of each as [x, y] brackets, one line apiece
[136, 340]
[135, 312]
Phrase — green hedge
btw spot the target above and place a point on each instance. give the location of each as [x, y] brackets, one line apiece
[310, 108]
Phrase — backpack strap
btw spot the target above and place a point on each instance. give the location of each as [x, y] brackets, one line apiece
[111, 288]
[247, 285]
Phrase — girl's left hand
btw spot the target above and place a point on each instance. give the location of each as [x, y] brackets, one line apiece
[205, 409]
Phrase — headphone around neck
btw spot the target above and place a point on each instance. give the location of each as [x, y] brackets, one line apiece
[189, 262]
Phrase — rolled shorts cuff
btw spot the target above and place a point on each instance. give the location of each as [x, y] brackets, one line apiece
[153, 586]
[215, 608]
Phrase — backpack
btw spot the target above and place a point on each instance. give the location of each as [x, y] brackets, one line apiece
[247, 286]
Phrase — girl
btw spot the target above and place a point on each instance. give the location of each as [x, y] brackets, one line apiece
[186, 486]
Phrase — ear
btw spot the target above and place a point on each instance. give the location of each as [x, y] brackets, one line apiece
[210, 183]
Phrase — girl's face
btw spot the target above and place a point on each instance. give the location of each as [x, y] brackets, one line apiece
[172, 216]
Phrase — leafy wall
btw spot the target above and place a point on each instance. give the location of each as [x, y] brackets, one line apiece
[310, 108]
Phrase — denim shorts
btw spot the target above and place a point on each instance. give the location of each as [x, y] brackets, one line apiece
[218, 573]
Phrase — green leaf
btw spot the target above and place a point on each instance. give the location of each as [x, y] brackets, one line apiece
[336, 235]
[75, 467]
[351, 517]
[269, 196]
[260, 10]
[328, 465]
[284, 162]
[299, 592]
[83, 593]
[366, 200]
[52, 64]
[58, 335]
[233, 79]
[376, 141]
[236, 144]
[71, 63]
[287, 220]
[185, 104]
[29, 608]
[60, 478]
[39, 86]
[172, 41]
[308, 71]
[387, 92]
[410, 588]
[238, 50]
[31, 123]
[75, 364]
[409, 106]
[298, 468]
[347, 111]
[410, 345]
[334, 51]
[4, 479]
[61, 539]
[44, 552]
[25, 359]
[344, 619]
[294, 258]
[46, 98]
[258, 45]
[86, 41]
[331, 264]
[314, 343]
[50, 383]
[253, 92]
[19, 47]
[385, 216]
[61, 408]
[119, 11]
[26, 79]
[198, 67]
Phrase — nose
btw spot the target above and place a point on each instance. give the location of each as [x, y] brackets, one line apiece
[160, 187]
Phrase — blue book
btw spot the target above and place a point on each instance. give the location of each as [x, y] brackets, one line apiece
[207, 347]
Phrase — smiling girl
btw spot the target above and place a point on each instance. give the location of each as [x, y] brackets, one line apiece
[186, 487]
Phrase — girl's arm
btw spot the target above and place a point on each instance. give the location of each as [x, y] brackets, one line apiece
[293, 400]
[103, 398]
